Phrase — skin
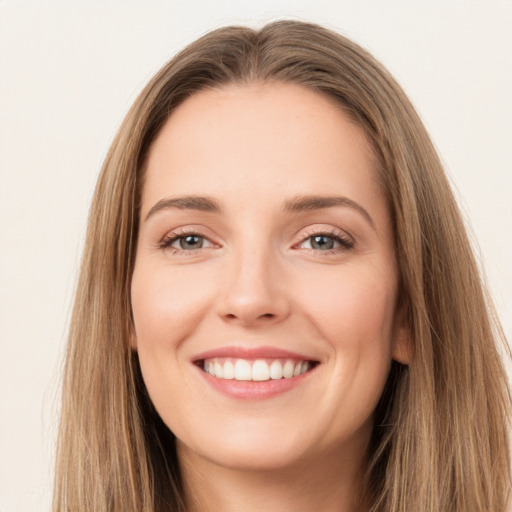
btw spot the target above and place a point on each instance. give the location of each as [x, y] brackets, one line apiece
[259, 280]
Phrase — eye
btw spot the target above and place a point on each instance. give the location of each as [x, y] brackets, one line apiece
[327, 242]
[321, 242]
[185, 242]
[189, 242]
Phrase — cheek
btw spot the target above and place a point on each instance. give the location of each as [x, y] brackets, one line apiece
[167, 309]
[167, 306]
[354, 308]
[354, 312]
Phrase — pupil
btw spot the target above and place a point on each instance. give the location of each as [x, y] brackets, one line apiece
[322, 242]
[191, 242]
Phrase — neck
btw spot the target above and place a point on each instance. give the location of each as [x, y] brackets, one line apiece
[323, 484]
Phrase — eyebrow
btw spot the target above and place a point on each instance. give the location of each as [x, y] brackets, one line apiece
[307, 203]
[202, 204]
[295, 204]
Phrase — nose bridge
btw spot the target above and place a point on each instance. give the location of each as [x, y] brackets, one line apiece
[252, 291]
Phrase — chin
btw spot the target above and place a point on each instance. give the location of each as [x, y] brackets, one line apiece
[245, 456]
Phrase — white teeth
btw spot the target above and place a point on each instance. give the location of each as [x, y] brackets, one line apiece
[258, 370]
[218, 370]
[229, 370]
[276, 370]
[288, 370]
[243, 370]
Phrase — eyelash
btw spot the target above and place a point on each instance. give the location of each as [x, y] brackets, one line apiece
[166, 243]
[345, 243]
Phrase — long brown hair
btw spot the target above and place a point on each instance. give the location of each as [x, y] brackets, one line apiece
[440, 438]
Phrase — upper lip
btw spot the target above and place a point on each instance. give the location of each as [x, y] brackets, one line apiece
[242, 352]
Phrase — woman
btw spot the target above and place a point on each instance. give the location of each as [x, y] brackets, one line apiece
[278, 306]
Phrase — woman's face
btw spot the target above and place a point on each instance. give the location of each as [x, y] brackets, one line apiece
[265, 286]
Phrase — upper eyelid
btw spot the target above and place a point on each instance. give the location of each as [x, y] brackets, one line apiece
[187, 230]
[333, 231]
[343, 242]
[168, 241]
[175, 234]
[300, 236]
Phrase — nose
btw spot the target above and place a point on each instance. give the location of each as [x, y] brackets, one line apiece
[253, 293]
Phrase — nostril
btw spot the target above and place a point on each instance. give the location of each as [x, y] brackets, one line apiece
[264, 315]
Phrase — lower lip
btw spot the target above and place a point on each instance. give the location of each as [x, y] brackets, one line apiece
[254, 390]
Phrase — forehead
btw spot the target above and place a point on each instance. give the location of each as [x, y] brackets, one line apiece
[264, 140]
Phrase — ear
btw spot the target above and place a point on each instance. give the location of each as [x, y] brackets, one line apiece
[133, 339]
[402, 349]
[402, 346]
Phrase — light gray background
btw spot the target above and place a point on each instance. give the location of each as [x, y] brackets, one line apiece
[70, 70]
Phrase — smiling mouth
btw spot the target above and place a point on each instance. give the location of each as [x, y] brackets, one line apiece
[257, 370]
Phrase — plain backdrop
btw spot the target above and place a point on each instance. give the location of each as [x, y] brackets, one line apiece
[69, 71]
